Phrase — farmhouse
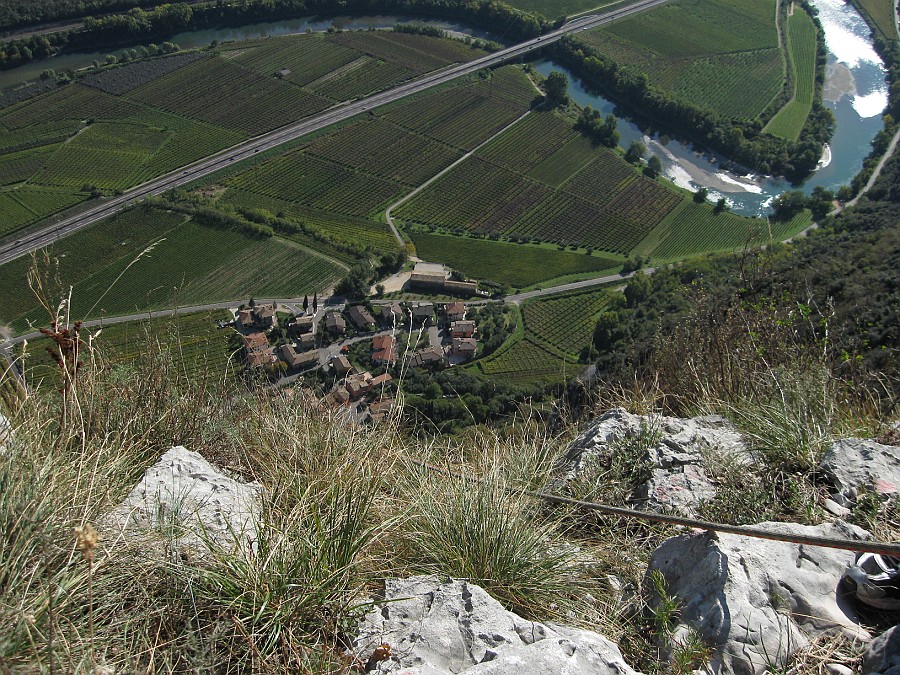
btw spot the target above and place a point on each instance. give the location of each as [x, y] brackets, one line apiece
[255, 341]
[307, 341]
[261, 358]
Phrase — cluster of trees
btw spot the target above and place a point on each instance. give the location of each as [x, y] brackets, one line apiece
[739, 139]
[165, 20]
[599, 129]
[842, 277]
[359, 279]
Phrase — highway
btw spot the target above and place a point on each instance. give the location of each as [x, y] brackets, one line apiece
[47, 235]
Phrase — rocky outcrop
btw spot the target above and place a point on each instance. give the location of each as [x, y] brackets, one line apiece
[757, 601]
[855, 465]
[191, 502]
[437, 628]
[675, 449]
[6, 433]
[882, 657]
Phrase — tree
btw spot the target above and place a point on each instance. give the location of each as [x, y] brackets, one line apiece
[700, 195]
[820, 202]
[315, 303]
[654, 167]
[721, 205]
[305, 303]
[556, 86]
[788, 205]
[635, 152]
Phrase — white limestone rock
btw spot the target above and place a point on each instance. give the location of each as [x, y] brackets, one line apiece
[676, 448]
[853, 465]
[439, 628]
[6, 433]
[757, 601]
[189, 500]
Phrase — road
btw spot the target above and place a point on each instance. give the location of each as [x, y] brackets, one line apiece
[50, 233]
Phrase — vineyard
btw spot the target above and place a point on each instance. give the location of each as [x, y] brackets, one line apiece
[385, 150]
[801, 35]
[124, 78]
[565, 322]
[306, 57]
[517, 265]
[607, 204]
[719, 54]
[466, 115]
[217, 91]
[318, 183]
[526, 361]
[690, 231]
[883, 15]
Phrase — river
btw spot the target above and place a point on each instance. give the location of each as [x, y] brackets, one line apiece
[855, 90]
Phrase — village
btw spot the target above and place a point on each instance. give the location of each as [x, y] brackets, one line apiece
[358, 349]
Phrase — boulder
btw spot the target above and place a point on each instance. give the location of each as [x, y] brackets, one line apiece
[757, 601]
[191, 502]
[438, 628]
[853, 465]
[882, 656]
[675, 448]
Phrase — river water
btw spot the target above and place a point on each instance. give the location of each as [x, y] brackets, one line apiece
[855, 90]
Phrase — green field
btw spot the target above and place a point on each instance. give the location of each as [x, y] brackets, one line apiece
[112, 271]
[718, 54]
[801, 37]
[881, 13]
[517, 265]
[118, 127]
[194, 343]
[556, 8]
[564, 322]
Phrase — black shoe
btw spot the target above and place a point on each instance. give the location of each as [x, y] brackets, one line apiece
[875, 580]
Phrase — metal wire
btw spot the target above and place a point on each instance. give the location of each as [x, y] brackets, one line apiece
[650, 516]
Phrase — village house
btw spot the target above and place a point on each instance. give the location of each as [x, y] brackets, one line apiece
[337, 397]
[334, 323]
[255, 341]
[462, 329]
[358, 384]
[261, 358]
[380, 409]
[384, 349]
[361, 318]
[380, 380]
[301, 326]
[297, 360]
[465, 347]
[307, 341]
[423, 314]
[455, 311]
[341, 365]
[262, 318]
[391, 314]
[429, 357]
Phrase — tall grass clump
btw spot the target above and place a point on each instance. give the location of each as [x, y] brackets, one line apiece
[482, 532]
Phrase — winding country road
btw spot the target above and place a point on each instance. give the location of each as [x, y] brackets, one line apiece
[48, 234]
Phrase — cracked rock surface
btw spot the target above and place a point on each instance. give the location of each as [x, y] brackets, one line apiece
[853, 465]
[438, 628]
[757, 601]
[190, 501]
[675, 449]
